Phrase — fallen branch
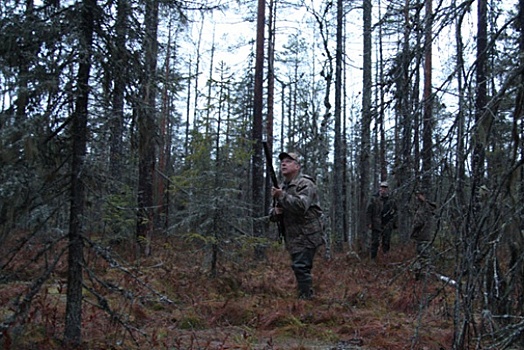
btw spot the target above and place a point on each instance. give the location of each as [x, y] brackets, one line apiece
[447, 280]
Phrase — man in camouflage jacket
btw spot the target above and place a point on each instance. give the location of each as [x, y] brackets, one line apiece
[298, 206]
[382, 218]
[423, 228]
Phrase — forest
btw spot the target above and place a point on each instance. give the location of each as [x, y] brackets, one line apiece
[134, 190]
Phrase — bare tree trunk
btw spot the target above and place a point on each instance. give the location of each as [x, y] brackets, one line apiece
[460, 162]
[414, 104]
[146, 132]
[327, 74]
[73, 318]
[471, 237]
[188, 109]
[514, 224]
[164, 145]
[117, 115]
[218, 214]
[195, 87]
[210, 85]
[257, 160]
[379, 102]
[427, 134]
[346, 207]
[481, 96]
[365, 129]
[404, 161]
[23, 69]
[270, 93]
[338, 177]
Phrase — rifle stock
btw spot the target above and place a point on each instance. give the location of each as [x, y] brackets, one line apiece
[274, 180]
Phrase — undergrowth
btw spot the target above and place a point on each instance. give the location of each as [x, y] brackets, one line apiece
[170, 301]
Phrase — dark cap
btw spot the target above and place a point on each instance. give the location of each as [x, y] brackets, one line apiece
[291, 155]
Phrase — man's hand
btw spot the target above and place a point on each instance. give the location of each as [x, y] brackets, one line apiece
[276, 192]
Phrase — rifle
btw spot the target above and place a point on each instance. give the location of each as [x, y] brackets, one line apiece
[271, 170]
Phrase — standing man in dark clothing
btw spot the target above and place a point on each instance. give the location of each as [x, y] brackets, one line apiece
[423, 227]
[382, 219]
[298, 205]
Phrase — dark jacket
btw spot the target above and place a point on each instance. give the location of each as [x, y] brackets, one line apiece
[382, 213]
[423, 221]
[302, 216]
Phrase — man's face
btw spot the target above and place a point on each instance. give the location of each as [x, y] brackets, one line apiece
[289, 167]
[383, 191]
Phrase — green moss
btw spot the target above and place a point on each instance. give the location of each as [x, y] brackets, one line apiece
[191, 322]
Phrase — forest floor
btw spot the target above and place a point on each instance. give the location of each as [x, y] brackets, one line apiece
[171, 301]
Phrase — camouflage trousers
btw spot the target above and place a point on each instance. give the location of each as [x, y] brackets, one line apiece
[378, 237]
[425, 257]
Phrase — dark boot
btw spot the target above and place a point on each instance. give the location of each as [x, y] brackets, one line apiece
[305, 291]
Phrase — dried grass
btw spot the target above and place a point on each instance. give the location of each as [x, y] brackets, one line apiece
[251, 305]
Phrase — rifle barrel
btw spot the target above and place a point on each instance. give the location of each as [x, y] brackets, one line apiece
[269, 162]
[271, 170]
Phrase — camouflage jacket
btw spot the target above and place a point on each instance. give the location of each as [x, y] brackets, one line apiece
[423, 219]
[382, 213]
[302, 216]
